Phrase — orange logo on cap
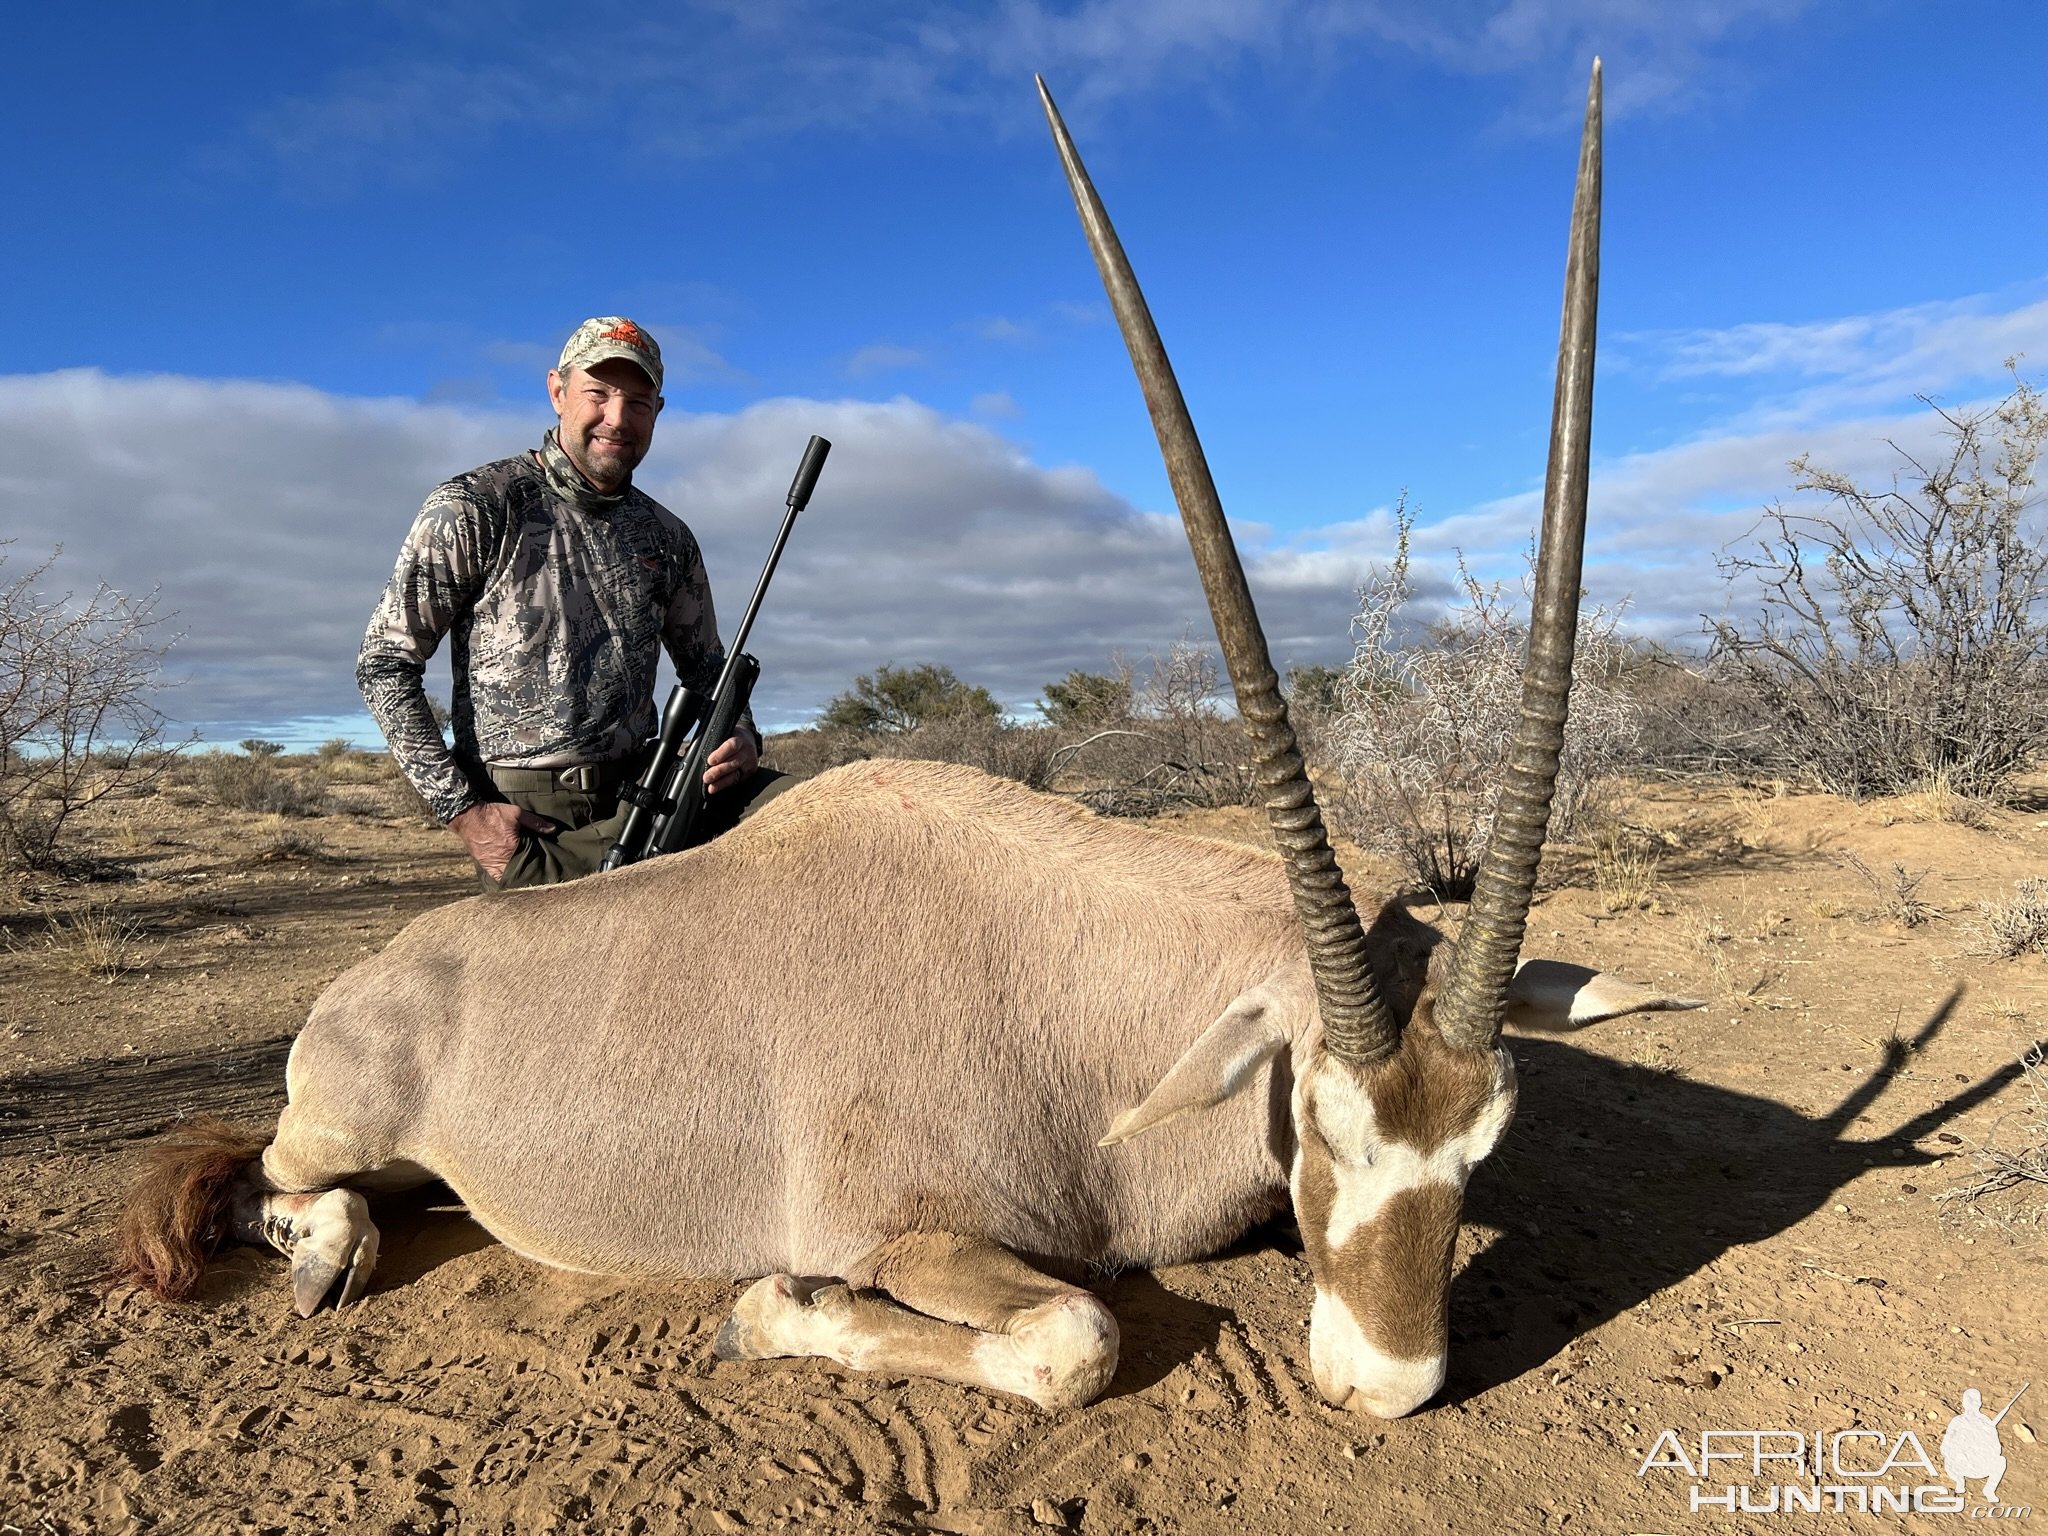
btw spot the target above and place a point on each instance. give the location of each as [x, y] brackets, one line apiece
[627, 332]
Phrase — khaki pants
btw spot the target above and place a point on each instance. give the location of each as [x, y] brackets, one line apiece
[590, 823]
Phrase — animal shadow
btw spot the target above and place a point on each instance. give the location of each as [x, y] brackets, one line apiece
[1157, 1330]
[1619, 1181]
[422, 1229]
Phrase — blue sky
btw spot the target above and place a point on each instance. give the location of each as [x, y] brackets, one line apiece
[276, 271]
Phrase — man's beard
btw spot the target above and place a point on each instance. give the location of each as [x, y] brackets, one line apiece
[603, 463]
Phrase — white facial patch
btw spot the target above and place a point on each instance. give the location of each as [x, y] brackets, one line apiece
[1350, 1373]
[1370, 1171]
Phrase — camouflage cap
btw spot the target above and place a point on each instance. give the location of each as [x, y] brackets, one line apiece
[610, 336]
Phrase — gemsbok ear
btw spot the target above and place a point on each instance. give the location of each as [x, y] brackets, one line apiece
[1549, 996]
[1223, 1061]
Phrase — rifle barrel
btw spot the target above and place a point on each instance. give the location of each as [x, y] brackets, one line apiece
[2015, 1398]
[799, 498]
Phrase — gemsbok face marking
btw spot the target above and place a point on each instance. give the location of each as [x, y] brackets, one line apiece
[1382, 1157]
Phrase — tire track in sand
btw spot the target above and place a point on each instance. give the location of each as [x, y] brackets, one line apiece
[1038, 1462]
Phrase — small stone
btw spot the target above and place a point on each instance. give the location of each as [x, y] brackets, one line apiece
[1136, 1461]
[1841, 1210]
[1045, 1512]
[2025, 1432]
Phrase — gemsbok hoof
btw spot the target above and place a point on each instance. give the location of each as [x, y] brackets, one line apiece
[778, 1316]
[334, 1239]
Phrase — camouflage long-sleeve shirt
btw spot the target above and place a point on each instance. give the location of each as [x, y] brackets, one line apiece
[556, 600]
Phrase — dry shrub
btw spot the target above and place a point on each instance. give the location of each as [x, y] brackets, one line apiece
[2015, 1151]
[1899, 633]
[1169, 745]
[1422, 739]
[809, 753]
[1693, 720]
[78, 717]
[1938, 800]
[259, 782]
[1897, 891]
[1020, 752]
[1133, 751]
[2017, 925]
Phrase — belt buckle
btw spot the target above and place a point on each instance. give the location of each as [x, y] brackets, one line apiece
[581, 778]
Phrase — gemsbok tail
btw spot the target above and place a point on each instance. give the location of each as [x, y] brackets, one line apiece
[177, 1213]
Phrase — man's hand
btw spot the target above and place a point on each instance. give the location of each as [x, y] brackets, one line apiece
[490, 830]
[731, 762]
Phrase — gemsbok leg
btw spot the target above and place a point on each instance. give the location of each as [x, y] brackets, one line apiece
[964, 1310]
[294, 1200]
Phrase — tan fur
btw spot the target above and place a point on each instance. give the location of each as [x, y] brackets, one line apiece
[177, 1212]
[894, 972]
[877, 1032]
[964, 1280]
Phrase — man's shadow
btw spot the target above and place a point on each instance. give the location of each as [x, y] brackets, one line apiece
[1619, 1181]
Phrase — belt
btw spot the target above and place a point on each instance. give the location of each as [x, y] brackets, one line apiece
[577, 778]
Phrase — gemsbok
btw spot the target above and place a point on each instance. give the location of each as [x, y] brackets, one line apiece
[914, 1041]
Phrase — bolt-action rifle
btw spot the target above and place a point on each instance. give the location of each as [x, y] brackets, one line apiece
[665, 806]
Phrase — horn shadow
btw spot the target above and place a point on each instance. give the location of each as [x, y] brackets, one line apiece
[1619, 1182]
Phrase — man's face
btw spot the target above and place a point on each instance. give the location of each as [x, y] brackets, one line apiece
[607, 414]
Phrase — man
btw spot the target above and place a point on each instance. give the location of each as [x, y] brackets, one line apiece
[559, 581]
[1970, 1446]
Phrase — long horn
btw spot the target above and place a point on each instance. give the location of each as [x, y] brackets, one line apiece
[1474, 997]
[1357, 1024]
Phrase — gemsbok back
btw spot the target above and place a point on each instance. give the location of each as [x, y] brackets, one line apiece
[928, 1040]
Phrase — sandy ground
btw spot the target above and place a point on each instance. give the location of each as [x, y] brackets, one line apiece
[1738, 1219]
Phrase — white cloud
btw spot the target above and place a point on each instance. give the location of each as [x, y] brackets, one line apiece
[705, 78]
[1002, 328]
[996, 405]
[1809, 370]
[882, 357]
[269, 514]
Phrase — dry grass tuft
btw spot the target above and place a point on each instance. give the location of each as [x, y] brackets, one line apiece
[98, 941]
[1757, 808]
[2016, 926]
[1625, 871]
[286, 842]
[1938, 800]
